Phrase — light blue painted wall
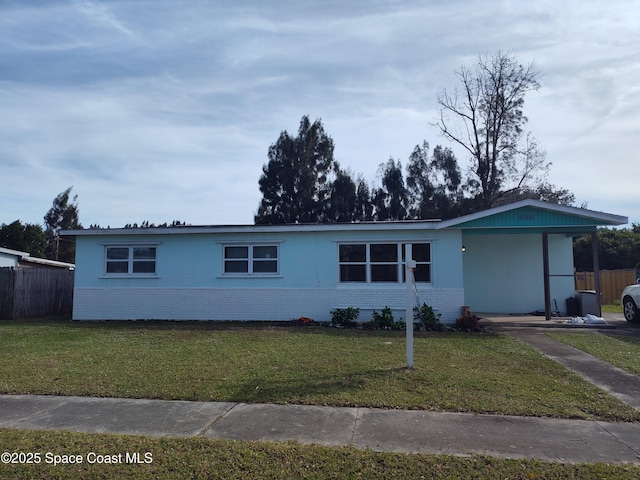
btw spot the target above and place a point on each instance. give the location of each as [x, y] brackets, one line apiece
[307, 259]
[189, 284]
[504, 273]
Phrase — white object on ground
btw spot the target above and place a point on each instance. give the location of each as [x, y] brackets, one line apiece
[588, 320]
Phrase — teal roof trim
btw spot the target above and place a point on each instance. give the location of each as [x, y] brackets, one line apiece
[534, 215]
[530, 217]
[565, 230]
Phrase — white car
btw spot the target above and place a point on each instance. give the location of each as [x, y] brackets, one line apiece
[630, 300]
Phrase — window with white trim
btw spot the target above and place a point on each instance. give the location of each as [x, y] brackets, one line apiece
[130, 260]
[382, 262]
[251, 259]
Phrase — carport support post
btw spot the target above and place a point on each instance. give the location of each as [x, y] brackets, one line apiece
[545, 273]
[596, 271]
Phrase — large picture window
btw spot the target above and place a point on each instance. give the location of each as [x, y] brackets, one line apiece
[130, 260]
[251, 259]
[382, 262]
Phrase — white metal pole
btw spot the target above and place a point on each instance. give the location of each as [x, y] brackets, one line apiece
[409, 266]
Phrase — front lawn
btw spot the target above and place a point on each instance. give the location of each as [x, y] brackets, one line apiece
[482, 373]
[204, 458]
[621, 351]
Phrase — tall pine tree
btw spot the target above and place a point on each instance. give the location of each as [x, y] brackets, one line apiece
[295, 182]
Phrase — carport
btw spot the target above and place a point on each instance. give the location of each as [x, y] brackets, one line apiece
[518, 258]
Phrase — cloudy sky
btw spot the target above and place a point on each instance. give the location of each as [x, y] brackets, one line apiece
[164, 110]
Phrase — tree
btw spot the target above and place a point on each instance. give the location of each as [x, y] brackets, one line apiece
[25, 237]
[485, 117]
[391, 199]
[363, 204]
[63, 215]
[341, 202]
[434, 184]
[617, 248]
[294, 184]
[544, 191]
[420, 187]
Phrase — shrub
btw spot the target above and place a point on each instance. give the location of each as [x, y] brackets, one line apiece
[384, 320]
[470, 323]
[344, 317]
[427, 317]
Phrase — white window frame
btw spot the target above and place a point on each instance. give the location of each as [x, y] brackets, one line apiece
[250, 259]
[131, 260]
[368, 263]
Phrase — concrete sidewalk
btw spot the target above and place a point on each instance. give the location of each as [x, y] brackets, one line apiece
[622, 385]
[405, 431]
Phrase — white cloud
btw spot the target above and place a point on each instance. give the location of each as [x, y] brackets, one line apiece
[159, 112]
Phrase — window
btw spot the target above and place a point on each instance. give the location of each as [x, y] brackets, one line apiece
[353, 263]
[127, 260]
[382, 262]
[421, 253]
[251, 259]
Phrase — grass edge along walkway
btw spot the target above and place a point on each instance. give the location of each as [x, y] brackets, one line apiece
[222, 459]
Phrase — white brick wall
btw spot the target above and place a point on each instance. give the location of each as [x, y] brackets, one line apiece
[445, 301]
[251, 303]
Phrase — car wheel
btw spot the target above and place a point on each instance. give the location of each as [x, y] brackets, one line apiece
[630, 310]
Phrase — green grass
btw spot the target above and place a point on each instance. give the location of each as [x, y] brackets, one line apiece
[623, 352]
[616, 308]
[480, 373]
[215, 459]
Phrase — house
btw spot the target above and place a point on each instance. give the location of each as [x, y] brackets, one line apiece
[16, 259]
[10, 258]
[512, 259]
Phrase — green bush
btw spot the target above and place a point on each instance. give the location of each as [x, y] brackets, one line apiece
[384, 320]
[427, 317]
[344, 317]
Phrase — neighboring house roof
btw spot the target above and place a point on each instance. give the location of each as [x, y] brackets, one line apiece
[47, 263]
[24, 257]
[15, 253]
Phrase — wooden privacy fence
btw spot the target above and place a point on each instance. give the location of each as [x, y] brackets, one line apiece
[612, 282]
[35, 292]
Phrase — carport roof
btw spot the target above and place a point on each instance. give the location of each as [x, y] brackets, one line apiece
[530, 216]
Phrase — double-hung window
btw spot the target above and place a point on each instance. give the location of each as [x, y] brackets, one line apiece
[382, 262]
[130, 260]
[421, 253]
[251, 259]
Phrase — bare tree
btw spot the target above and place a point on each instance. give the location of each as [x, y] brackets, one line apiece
[484, 115]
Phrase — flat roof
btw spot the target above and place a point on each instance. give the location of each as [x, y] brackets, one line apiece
[525, 215]
[296, 227]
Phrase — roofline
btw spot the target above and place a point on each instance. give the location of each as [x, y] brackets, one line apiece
[605, 218]
[226, 229]
[17, 253]
[433, 224]
[26, 257]
[51, 263]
